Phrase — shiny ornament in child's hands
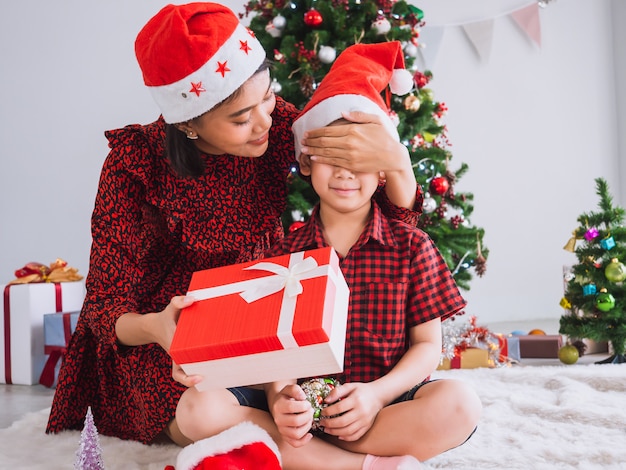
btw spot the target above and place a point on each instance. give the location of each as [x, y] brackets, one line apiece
[316, 391]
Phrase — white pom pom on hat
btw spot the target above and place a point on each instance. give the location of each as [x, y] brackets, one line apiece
[401, 82]
[354, 83]
[195, 56]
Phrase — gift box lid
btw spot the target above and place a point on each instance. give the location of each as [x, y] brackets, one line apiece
[230, 319]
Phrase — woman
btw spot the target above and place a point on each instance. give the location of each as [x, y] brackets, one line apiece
[201, 187]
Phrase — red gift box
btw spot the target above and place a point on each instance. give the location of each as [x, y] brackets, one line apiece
[274, 319]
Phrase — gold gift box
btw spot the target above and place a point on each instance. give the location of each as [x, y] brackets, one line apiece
[471, 358]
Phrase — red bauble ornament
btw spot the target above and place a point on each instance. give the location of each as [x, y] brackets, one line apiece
[313, 18]
[439, 185]
[421, 80]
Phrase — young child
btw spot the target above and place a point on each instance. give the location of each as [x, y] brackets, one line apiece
[400, 291]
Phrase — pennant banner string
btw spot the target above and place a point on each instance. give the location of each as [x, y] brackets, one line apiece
[481, 18]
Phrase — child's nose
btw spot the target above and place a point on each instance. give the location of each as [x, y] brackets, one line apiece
[343, 172]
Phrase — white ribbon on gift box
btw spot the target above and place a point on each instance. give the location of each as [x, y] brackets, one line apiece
[287, 278]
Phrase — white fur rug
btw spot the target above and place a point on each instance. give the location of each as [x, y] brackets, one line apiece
[569, 417]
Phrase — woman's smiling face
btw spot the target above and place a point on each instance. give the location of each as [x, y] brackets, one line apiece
[241, 125]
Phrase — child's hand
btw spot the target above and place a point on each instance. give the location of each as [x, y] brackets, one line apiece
[293, 415]
[354, 408]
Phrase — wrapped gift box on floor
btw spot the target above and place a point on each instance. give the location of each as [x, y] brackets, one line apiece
[466, 345]
[21, 326]
[540, 346]
[57, 330]
[471, 358]
[273, 319]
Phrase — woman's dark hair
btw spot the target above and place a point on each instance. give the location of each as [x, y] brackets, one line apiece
[184, 156]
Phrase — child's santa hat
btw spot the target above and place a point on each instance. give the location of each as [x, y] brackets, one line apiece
[194, 56]
[245, 446]
[354, 83]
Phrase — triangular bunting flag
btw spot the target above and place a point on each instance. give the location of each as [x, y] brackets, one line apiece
[527, 18]
[480, 35]
[430, 38]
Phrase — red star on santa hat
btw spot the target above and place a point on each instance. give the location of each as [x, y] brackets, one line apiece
[222, 68]
[196, 88]
[244, 46]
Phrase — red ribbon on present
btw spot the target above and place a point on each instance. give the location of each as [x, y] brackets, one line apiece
[504, 347]
[47, 374]
[7, 326]
[7, 336]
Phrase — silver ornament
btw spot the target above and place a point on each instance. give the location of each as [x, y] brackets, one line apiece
[279, 21]
[410, 50]
[276, 86]
[429, 205]
[327, 54]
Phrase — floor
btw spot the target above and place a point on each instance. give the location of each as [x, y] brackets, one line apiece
[16, 400]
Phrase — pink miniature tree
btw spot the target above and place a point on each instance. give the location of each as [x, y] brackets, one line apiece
[88, 455]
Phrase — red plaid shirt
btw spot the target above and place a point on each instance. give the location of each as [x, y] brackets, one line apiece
[397, 280]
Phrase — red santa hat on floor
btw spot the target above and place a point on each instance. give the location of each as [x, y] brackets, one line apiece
[194, 56]
[245, 446]
[354, 83]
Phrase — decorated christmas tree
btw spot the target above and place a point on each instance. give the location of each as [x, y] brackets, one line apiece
[303, 37]
[88, 455]
[595, 294]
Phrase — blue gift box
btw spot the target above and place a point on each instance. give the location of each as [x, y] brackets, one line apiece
[589, 289]
[607, 243]
[57, 330]
[513, 348]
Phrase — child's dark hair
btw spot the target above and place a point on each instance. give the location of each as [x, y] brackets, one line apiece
[183, 155]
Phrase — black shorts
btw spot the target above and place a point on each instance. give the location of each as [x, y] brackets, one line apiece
[408, 396]
[252, 397]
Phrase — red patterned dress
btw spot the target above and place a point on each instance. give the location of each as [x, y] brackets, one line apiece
[151, 230]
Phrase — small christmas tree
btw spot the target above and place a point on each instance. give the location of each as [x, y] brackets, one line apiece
[304, 37]
[595, 294]
[88, 455]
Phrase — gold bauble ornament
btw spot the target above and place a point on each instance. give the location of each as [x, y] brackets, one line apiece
[412, 103]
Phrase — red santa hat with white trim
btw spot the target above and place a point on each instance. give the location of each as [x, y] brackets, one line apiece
[194, 56]
[245, 446]
[355, 83]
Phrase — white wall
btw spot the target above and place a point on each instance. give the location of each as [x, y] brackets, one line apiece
[536, 126]
[619, 57]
